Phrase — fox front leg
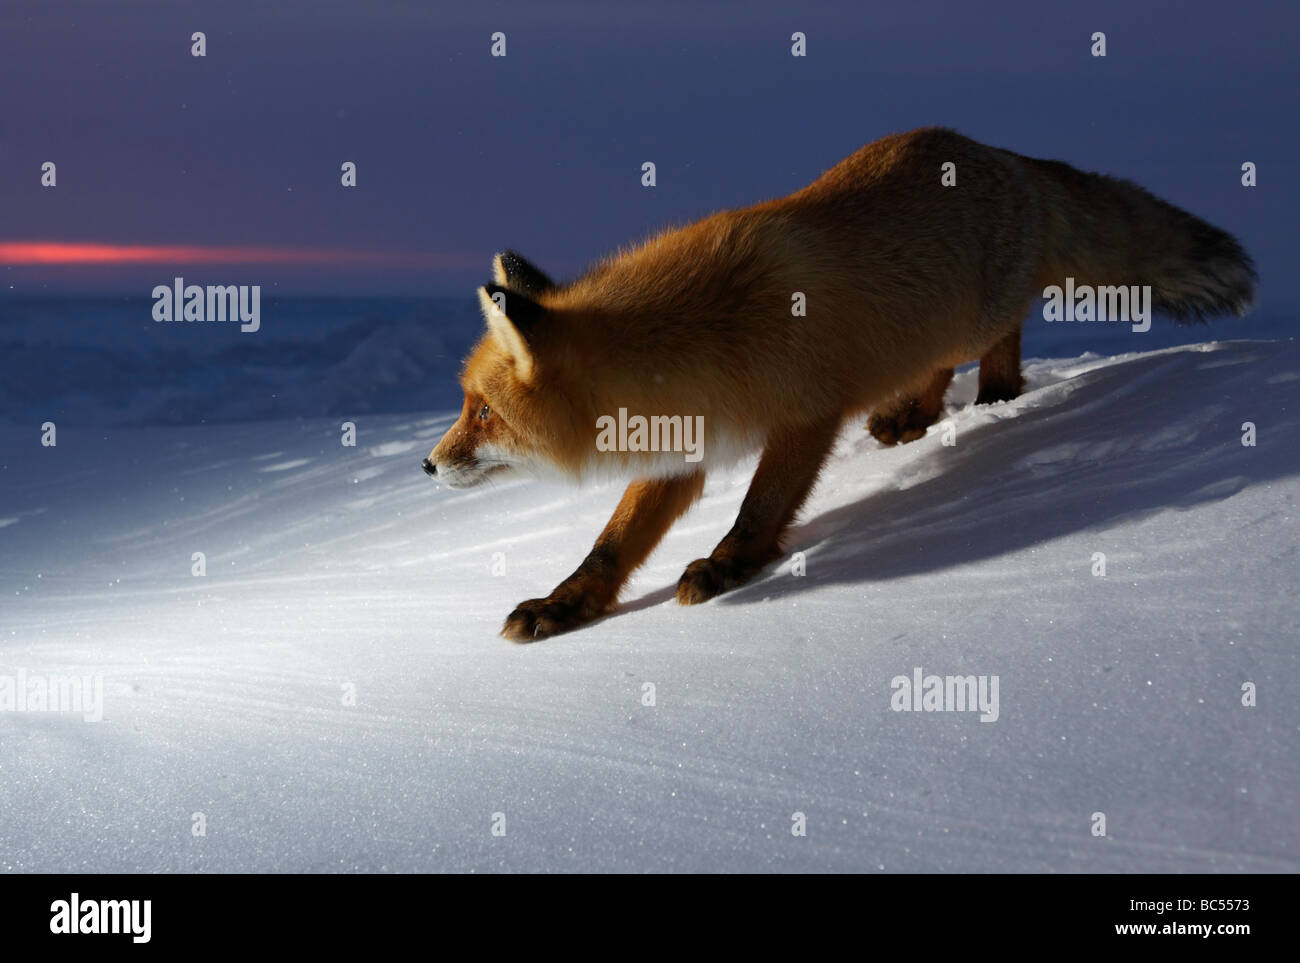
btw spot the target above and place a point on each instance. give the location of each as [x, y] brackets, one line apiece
[786, 473]
[644, 514]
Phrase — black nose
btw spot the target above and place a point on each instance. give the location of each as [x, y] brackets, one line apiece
[429, 467]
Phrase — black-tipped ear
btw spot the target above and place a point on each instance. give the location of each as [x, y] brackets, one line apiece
[510, 269]
[524, 313]
[512, 318]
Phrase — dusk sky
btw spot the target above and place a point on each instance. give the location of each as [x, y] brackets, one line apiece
[236, 155]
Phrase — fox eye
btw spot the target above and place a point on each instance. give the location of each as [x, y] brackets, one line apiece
[484, 412]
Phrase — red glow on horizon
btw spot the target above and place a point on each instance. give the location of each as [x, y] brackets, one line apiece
[62, 252]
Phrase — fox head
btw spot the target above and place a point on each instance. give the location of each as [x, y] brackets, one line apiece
[499, 430]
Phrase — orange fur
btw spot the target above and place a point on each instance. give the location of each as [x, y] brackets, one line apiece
[904, 279]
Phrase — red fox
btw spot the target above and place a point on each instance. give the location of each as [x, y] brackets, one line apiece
[901, 278]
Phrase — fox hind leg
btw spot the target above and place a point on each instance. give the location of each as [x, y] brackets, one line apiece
[1000, 378]
[786, 472]
[907, 418]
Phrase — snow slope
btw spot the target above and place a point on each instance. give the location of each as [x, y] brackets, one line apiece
[330, 567]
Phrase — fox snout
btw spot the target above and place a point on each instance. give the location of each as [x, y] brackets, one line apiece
[461, 471]
[462, 459]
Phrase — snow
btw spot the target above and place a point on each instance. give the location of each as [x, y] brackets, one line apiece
[333, 569]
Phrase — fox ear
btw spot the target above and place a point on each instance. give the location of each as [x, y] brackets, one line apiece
[512, 318]
[511, 270]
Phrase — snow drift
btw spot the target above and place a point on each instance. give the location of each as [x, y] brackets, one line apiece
[332, 694]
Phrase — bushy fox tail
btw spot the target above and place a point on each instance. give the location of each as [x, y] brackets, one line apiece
[1107, 231]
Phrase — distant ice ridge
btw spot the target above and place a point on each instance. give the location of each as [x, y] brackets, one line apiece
[107, 363]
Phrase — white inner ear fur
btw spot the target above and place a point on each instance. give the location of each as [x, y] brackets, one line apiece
[506, 334]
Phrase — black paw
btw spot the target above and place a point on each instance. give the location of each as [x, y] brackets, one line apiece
[539, 618]
[903, 424]
[706, 577]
